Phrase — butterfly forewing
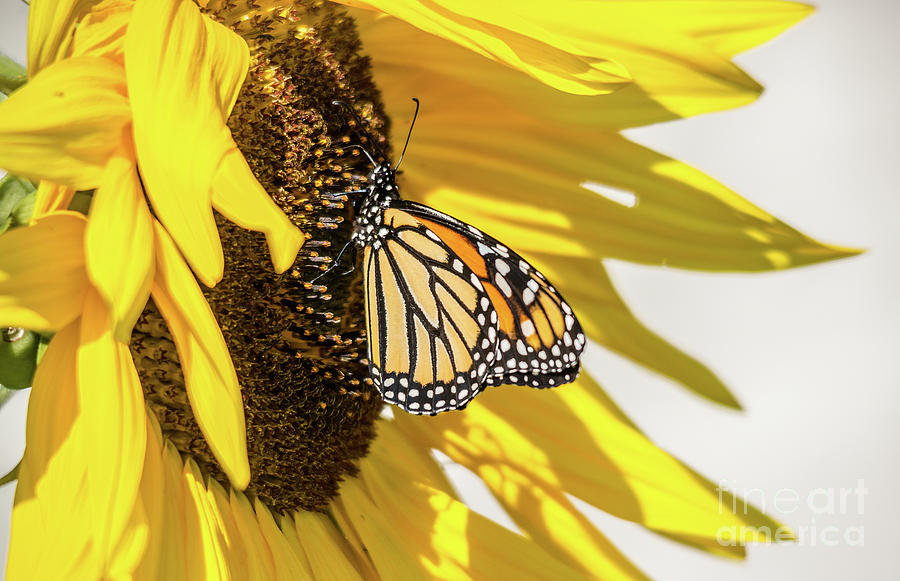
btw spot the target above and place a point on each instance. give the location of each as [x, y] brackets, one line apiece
[432, 326]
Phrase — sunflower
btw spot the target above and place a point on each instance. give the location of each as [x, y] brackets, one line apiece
[228, 431]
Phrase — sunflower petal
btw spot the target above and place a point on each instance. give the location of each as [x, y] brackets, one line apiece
[206, 529]
[546, 515]
[211, 381]
[675, 75]
[682, 217]
[512, 36]
[179, 548]
[260, 560]
[232, 62]
[114, 430]
[102, 31]
[607, 320]
[329, 556]
[289, 563]
[50, 27]
[454, 542]
[42, 276]
[154, 498]
[728, 28]
[65, 123]
[50, 198]
[238, 558]
[182, 119]
[611, 465]
[51, 537]
[119, 244]
[241, 199]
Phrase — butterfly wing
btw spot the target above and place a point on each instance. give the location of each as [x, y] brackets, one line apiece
[539, 340]
[431, 324]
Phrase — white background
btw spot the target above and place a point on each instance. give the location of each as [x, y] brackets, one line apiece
[809, 352]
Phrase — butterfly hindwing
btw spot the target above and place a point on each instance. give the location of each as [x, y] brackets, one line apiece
[539, 340]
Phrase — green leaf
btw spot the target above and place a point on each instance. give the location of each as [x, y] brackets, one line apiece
[12, 75]
[16, 201]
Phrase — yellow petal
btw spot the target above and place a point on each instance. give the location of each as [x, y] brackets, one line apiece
[102, 31]
[42, 275]
[182, 118]
[51, 531]
[50, 198]
[727, 28]
[232, 60]
[236, 552]
[119, 244]
[132, 544]
[607, 320]
[543, 513]
[510, 34]
[329, 555]
[114, 426]
[65, 123]
[155, 497]
[682, 217]
[50, 27]
[205, 526]
[290, 563]
[260, 560]
[674, 74]
[600, 457]
[241, 199]
[209, 375]
[178, 552]
[413, 530]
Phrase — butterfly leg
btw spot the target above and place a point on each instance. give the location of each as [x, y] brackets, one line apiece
[338, 261]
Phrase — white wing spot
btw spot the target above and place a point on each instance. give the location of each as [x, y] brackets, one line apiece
[527, 296]
[504, 286]
[520, 347]
[528, 328]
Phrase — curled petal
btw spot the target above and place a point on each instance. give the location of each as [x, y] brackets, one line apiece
[183, 118]
[209, 375]
[43, 281]
[102, 31]
[119, 244]
[50, 198]
[65, 124]
[672, 79]
[510, 34]
[50, 27]
[240, 198]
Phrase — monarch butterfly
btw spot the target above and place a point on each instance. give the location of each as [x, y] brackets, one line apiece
[449, 309]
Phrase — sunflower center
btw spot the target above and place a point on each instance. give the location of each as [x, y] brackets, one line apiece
[296, 343]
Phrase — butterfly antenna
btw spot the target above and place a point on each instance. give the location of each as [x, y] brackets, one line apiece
[408, 135]
[362, 131]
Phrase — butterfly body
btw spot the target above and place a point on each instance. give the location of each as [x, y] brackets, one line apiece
[450, 310]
